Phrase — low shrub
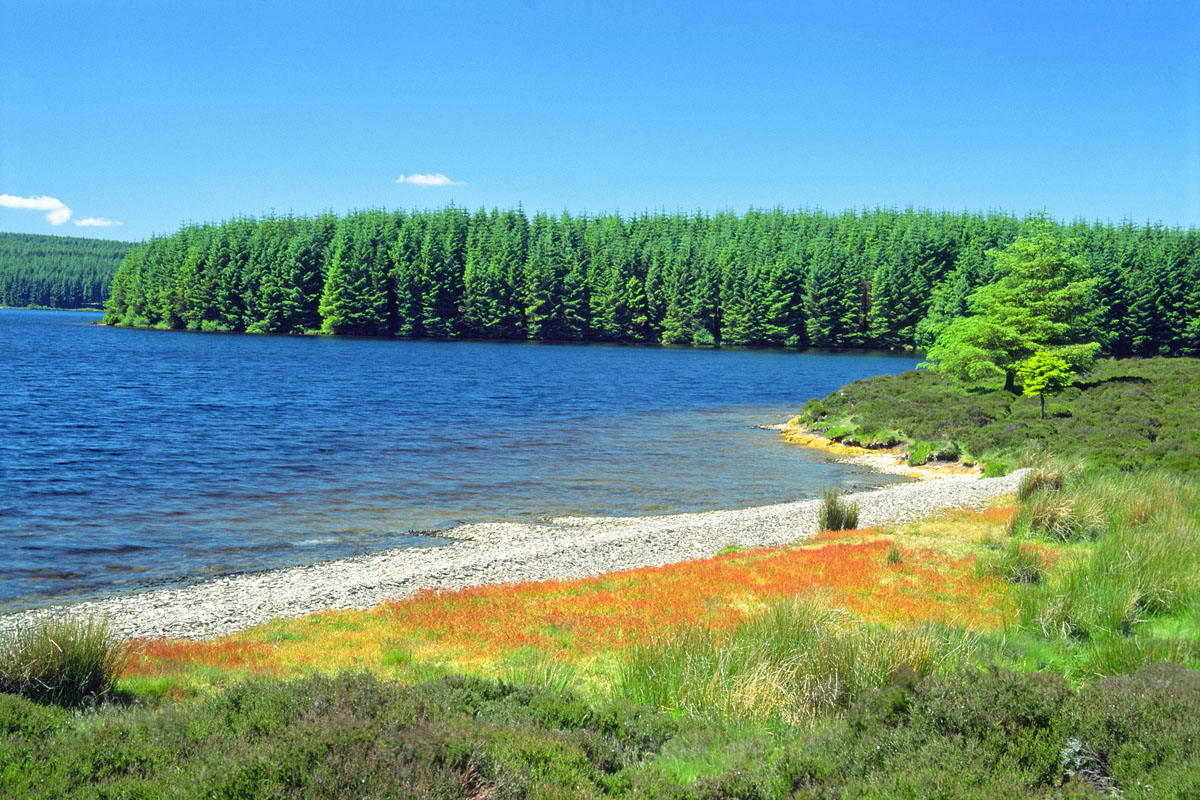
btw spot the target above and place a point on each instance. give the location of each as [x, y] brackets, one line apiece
[836, 514]
[1141, 729]
[61, 659]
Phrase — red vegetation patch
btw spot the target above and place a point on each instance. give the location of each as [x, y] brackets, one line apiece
[158, 656]
[579, 617]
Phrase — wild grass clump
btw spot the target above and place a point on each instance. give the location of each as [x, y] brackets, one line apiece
[1048, 478]
[796, 660]
[836, 514]
[1141, 566]
[61, 659]
[1060, 516]
[1017, 563]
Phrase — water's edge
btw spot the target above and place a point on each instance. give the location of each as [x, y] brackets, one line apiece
[563, 548]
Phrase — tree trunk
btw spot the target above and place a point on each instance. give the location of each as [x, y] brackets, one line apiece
[1010, 381]
[1043, 399]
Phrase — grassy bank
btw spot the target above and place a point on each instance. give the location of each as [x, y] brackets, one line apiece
[1127, 414]
[1003, 653]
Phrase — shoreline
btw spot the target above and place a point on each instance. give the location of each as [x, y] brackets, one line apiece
[891, 460]
[504, 552]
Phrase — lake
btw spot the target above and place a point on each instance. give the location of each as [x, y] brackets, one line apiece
[131, 458]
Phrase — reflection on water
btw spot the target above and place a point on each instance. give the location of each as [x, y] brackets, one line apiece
[129, 457]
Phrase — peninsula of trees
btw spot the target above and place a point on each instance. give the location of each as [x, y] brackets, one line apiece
[879, 278]
[57, 271]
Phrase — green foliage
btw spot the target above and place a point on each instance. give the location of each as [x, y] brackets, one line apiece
[855, 711]
[1044, 374]
[57, 271]
[60, 659]
[1129, 414]
[836, 514]
[919, 453]
[1040, 304]
[879, 278]
[349, 736]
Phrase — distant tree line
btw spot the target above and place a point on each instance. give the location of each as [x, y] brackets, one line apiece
[57, 271]
[879, 278]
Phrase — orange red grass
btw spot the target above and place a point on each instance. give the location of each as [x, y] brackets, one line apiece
[575, 619]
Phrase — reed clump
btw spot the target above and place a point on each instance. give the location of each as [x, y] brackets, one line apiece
[61, 659]
[836, 514]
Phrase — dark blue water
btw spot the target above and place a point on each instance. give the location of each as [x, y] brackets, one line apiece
[133, 457]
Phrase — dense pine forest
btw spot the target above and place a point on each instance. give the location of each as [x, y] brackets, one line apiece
[57, 271]
[879, 278]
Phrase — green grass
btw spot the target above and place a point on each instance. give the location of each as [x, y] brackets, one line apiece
[836, 514]
[1141, 566]
[792, 663]
[64, 660]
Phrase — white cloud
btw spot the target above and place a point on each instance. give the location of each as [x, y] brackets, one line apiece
[56, 211]
[429, 179]
[59, 215]
[97, 222]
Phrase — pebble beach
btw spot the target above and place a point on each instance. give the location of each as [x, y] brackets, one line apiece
[559, 548]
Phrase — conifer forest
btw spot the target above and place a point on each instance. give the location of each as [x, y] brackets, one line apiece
[57, 271]
[883, 278]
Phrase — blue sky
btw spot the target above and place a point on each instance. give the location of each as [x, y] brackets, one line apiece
[152, 114]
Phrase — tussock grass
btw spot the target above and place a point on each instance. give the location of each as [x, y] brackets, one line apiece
[540, 671]
[836, 514]
[1048, 478]
[1017, 563]
[1142, 565]
[60, 659]
[1060, 516]
[798, 659]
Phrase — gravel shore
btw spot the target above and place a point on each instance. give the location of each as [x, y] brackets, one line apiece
[565, 547]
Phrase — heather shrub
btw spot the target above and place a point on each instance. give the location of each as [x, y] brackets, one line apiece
[1142, 729]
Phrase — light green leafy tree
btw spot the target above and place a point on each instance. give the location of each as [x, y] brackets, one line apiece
[1040, 303]
[1044, 374]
